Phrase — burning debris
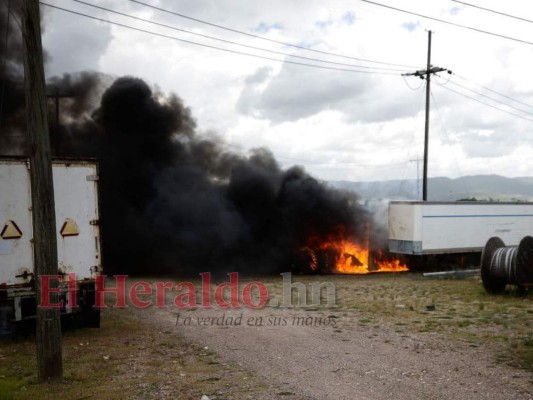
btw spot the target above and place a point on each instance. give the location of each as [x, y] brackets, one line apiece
[175, 201]
[345, 256]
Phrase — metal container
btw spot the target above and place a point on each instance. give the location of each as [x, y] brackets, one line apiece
[419, 228]
[78, 236]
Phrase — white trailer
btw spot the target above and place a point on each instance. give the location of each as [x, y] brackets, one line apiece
[78, 238]
[420, 228]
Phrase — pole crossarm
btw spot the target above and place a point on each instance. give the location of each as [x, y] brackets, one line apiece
[421, 73]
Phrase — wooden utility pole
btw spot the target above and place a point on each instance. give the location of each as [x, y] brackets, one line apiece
[58, 96]
[48, 329]
[427, 74]
[426, 128]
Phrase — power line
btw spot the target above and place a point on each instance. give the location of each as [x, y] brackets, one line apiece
[234, 43]
[444, 22]
[493, 91]
[350, 165]
[490, 98]
[10, 11]
[409, 86]
[410, 146]
[450, 73]
[482, 102]
[317, 163]
[267, 39]
[492, 11]
[214, 47]
[467, 192]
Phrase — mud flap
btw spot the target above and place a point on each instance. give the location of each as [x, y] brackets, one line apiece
[7, 317]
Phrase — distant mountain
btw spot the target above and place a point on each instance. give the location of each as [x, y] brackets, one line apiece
[480, 187]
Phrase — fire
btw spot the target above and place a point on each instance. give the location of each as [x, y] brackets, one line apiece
[394, 265]
[350, 258]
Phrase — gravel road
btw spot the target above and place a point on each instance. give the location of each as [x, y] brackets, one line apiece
[324, 354]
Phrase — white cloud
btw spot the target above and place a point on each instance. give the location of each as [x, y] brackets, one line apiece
[340, 125]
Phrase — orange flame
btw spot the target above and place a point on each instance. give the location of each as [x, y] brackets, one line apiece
[351, 258]
[394, 265]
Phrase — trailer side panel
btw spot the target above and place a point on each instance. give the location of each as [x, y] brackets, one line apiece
[455, 227]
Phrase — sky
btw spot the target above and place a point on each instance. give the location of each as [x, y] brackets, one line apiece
[354, 118]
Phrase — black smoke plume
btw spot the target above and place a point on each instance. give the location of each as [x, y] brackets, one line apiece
[172, 200]
[12, 117]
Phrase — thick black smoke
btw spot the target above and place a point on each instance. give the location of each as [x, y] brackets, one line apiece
[172, 200]
[12, 118]
[175, 201]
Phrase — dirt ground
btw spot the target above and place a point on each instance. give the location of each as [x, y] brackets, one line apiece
[387, 336]
[354, 361]
[391, 337]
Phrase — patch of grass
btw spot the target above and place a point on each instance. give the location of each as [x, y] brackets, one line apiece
[127, 358]
[464, 323]
[8, 387]
[211, 379]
